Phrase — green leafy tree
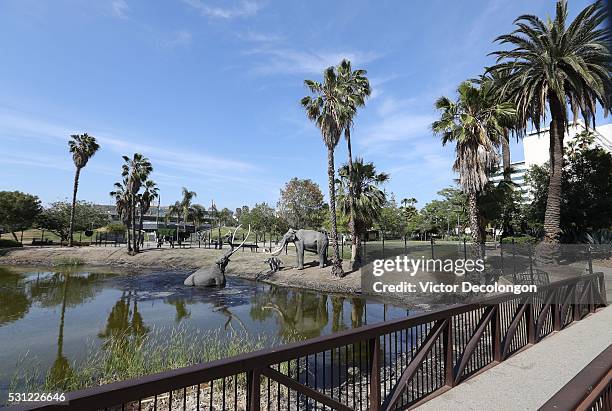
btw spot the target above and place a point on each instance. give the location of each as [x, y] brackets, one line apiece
[552, 64]
[301, 204]
[587, 184]
[57, 217]
[18, 211]
[82, 147]
[327, 108]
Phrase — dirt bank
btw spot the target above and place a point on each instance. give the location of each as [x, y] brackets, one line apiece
[244, 264]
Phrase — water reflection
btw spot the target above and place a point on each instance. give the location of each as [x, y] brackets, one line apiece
[124, 319]
[297, 313]
[58, 315]
[15, 303]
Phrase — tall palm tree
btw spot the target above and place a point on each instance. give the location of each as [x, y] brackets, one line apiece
[366, 199]
[327, 109]
[552, 65]
[83, 147]
[356, 88]
[135, 172]
[473, 123]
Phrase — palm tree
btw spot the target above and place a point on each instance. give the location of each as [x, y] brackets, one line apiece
[83, 147]
[473, 122]
[367, 199]
[327, 109]
[175, 209]
[135, 172]
[356, 88]
[123, 204]
[550, 65]
[150, 193]
[185, 205]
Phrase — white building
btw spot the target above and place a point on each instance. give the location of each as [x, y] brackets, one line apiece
[536, 151]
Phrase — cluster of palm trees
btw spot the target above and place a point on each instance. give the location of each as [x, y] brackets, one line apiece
[548, 67]
[186, 210]
[332, 106]
[132, 203]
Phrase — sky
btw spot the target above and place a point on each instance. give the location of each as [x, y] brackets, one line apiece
[209, 90]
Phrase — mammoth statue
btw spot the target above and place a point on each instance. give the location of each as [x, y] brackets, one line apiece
[215, 276]
[305, 240]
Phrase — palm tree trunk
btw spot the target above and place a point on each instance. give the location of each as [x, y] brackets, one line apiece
[73, 208]
[336, 261]
[475, 227]
[355, 256]
[505, 145]
[134, 237]
[140, 223]
[552, 215]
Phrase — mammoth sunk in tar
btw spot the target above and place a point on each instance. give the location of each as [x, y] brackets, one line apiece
[215, 276]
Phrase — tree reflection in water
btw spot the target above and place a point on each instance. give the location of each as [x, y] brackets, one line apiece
[15, 302]
[66, 288]
[124, 321]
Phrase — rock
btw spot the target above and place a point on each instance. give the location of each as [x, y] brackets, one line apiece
[206, 277]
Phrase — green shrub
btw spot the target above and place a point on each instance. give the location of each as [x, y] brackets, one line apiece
[7, 243]
[69, 261]
[116, 228]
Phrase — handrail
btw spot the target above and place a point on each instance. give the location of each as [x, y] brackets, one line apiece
[586, 387]
[150, 385]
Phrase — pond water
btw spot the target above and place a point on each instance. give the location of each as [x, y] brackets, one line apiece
[52, 314]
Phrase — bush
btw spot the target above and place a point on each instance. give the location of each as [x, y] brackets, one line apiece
[6, 243]
[115, 228]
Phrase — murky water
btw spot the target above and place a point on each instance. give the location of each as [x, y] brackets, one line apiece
[57, 315]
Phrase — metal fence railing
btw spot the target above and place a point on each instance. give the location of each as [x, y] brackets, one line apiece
[391, 365]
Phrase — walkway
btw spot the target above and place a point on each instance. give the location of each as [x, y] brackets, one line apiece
[527, 380]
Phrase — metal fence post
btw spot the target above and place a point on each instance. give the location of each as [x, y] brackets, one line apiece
[374, 351]
[431, 241]
[382, 233]
[496, 331]
[449, 355]
[532, 338]
[254, 390]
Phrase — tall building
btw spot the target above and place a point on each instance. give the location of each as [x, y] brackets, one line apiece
[536, 152]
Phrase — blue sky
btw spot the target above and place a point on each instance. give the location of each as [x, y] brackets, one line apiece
[209, 90]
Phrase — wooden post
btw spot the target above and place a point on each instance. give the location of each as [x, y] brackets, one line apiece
[374, 351]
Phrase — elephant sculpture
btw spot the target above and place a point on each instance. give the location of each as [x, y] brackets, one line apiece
[215, 276]
[305, 240]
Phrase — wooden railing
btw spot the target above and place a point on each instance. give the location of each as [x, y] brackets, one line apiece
[591, 389]
[391, 365]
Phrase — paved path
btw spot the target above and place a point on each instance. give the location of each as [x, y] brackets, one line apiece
[527, 380]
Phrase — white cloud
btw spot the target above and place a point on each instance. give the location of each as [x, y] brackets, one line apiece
[246, 8]
[290, 61]
[18, 125]
[119, 8]
[181, 38]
